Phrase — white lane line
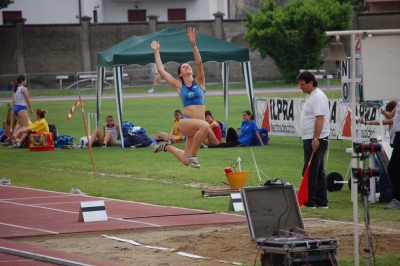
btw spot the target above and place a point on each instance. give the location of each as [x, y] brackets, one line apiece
[61, 202]
[41, 257]
[30, 228]
[40, 207]
[134, 202]
[8, 261]
[136, 222]
[52, 209]
[38, 197]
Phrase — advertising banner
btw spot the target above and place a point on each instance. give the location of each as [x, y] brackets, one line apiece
[281, 116]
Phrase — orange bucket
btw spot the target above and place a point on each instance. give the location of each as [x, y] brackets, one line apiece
[237, 180]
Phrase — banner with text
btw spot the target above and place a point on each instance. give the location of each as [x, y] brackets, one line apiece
[281, 116]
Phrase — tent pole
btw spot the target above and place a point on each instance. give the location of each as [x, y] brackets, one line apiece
[99, 91]
[118, 97]
[225, 79]
[246, 68]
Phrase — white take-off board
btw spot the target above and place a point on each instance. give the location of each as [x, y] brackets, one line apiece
[381, 67]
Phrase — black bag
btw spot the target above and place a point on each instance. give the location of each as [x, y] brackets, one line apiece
[137, 141]
[52, 129]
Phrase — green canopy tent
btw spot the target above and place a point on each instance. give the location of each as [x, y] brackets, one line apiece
[174, 48]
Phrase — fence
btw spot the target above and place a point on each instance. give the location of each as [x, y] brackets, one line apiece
[133, 76]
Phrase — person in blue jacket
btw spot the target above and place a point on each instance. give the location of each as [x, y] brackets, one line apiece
[247, 131]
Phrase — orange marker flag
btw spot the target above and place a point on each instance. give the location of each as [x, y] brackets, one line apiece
[302, 194]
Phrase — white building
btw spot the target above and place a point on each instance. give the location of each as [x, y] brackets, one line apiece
[110, 11]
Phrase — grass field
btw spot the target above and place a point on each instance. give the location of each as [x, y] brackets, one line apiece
[140, 175]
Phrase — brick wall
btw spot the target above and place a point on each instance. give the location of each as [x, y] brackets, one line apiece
[58, 48]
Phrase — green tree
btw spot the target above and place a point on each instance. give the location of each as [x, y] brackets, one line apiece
[358, 5]
[294, 36]
[5, 3]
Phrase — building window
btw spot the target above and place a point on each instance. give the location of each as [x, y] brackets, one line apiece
[137, 15]
[177, 14]
[94, 16]
[10, 16]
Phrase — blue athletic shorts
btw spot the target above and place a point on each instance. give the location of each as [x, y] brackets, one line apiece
[184, 117]
[18, 108]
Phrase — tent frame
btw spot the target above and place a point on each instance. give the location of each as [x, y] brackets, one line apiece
[118, 71]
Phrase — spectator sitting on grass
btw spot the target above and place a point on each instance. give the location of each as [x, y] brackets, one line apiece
[248, 129]
[6, 130]
[111, 135]
[40, 125]
[215, 137]
[175, 135]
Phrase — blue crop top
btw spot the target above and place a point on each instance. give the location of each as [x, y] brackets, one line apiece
[194, 95]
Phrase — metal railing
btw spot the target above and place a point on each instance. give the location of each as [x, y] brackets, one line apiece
[133, 76]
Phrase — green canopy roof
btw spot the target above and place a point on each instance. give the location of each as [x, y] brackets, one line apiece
[175, 47]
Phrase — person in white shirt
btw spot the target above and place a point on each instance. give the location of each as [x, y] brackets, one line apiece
[314, 126]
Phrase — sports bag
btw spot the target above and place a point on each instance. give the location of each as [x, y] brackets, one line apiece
[127, 127]
[264, 137]
[137, 141]
[64, 140]
[223, 128]
[41, 141]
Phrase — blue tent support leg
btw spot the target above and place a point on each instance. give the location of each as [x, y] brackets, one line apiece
[118, 70]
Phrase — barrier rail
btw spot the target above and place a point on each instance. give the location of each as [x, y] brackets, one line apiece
[81, 80]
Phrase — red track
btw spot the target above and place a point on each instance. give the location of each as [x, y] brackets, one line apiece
[31, 212]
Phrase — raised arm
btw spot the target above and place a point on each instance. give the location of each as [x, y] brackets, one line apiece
[155, 46]
[200, 79]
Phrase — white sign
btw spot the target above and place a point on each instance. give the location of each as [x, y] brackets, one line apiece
[281, 116]
[92, 211]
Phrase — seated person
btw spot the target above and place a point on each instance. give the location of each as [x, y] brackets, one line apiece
[175, 135]
[248, 129]
[9, 86]
[5, 134]
[40, 125]
[215, 135]
[112, 133]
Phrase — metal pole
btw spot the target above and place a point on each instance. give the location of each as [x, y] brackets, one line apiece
[354, 187]
[353, 124]
[366, 218]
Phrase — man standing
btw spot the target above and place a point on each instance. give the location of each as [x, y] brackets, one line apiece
[394, 163]
[314, 125]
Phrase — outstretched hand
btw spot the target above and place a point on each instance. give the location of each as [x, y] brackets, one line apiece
[192, 36]
[155, 45]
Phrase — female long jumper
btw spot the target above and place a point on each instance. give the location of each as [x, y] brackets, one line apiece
[192, 93]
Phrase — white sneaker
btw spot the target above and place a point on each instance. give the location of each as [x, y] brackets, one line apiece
[76, 191]
[192, 161]
[5, 181]
[394, 204]
[150, 91]
[161, 146]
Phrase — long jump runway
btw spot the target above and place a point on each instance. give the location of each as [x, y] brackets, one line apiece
[31, 212]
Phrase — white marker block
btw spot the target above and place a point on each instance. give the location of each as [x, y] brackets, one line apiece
[236, 203]
[92, 211]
